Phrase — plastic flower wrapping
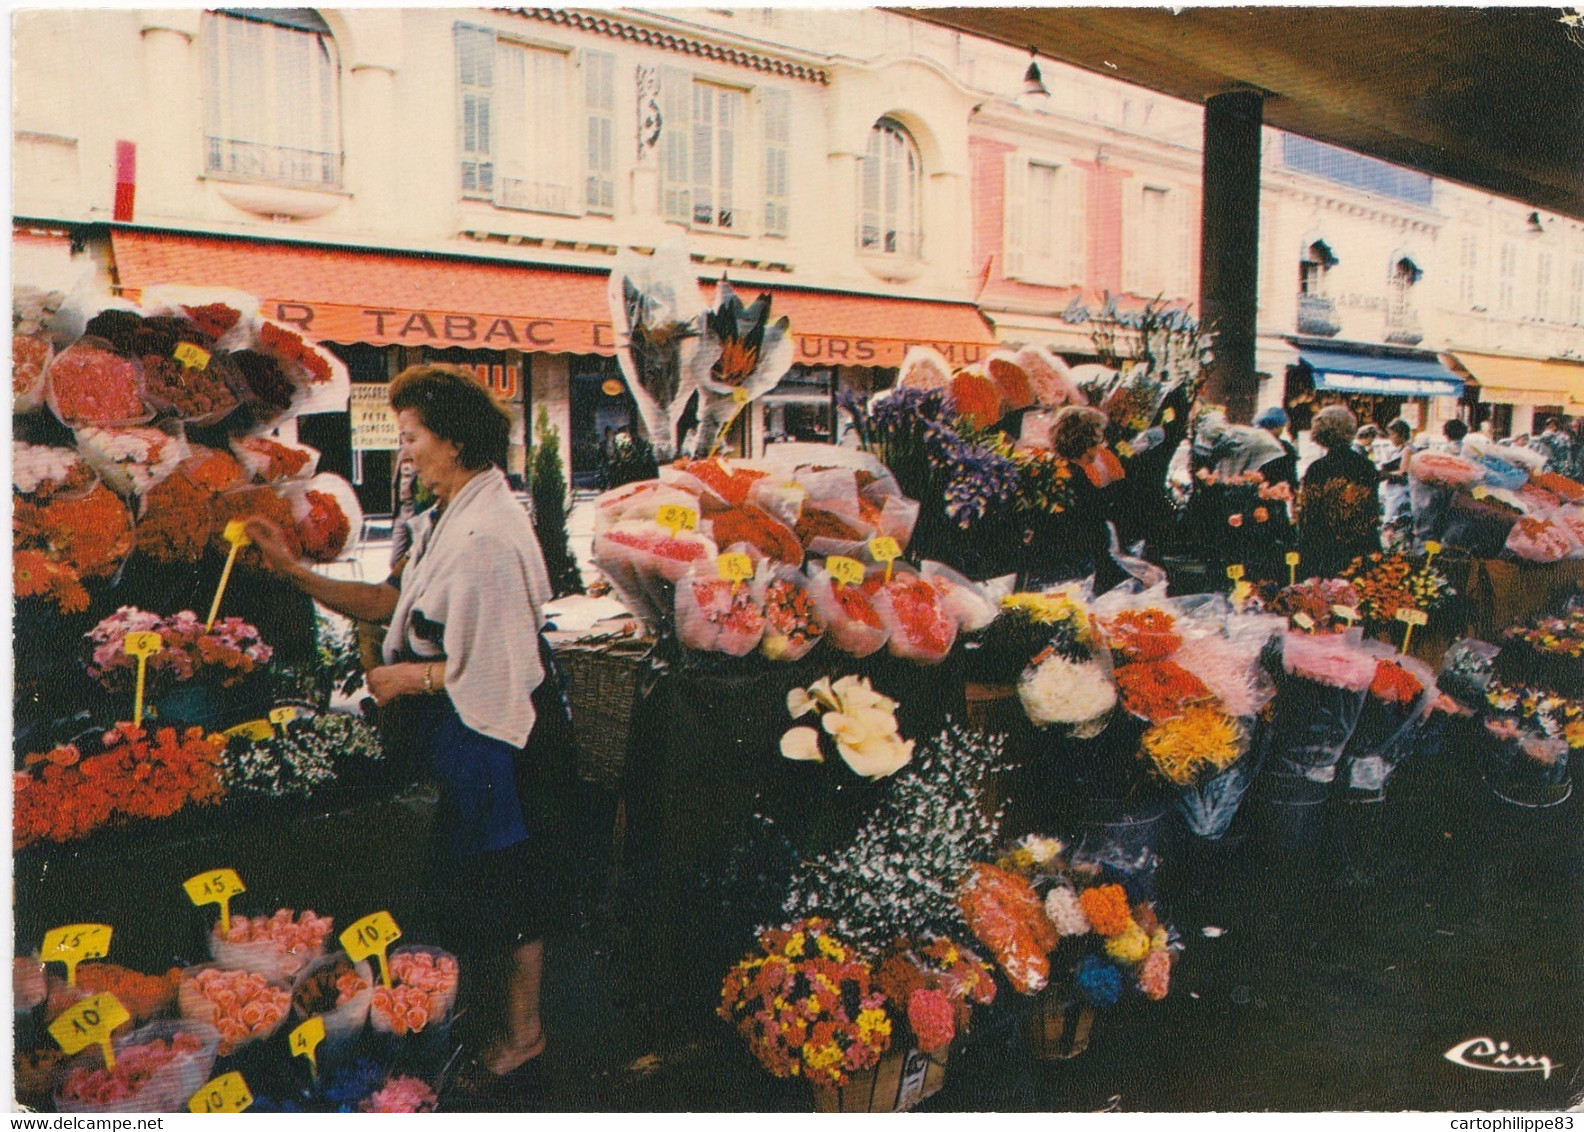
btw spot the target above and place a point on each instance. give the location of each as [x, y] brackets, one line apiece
[41, 470]
[1442, 469]
[157, 1069]
[69, 791]
[1156, 690]
[1547, 650]
[1056, 689]
[900, 874]
[1543, 539]
[742, 356]
[275, 947]
[423, 989]
[807, 1004]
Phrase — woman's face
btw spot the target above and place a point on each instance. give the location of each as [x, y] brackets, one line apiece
[434, 458]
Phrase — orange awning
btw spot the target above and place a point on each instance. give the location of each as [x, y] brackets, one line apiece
[388, 298]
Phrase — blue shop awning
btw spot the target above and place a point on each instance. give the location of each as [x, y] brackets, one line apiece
[1338, 372]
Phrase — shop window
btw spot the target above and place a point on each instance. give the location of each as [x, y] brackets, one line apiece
[601, 408]
[889, 190]
[272, 108]
[514, 116]
[799, 408]
[1047, 222]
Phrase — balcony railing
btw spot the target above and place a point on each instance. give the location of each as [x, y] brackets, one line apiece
[1402, 324]
[534, 196]
[1317, 315]
[275, 164]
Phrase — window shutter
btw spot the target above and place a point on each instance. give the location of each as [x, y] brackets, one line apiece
[475, 52]
[599, 106]
[1014, 234]
[1135, 243]
[1075, 202]
[776, 105]
[511, 124]
[676, 128]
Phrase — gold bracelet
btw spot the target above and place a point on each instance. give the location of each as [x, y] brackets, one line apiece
[429, 679]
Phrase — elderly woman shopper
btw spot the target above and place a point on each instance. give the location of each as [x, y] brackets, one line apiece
[462, 652]
[1338, 505]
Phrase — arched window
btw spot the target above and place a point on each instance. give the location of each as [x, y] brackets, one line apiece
[889, 176]
[272, 106]
[1317, 261]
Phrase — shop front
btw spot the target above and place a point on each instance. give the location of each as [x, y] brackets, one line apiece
[1379, 384]
[1518, 395]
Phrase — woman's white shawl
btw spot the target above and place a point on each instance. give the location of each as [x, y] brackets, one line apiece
[478, 571]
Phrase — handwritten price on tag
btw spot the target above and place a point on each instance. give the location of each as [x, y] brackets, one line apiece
[217, 886]
[846, 571]
[885, 549]
[735, 568]
[676, 518]
[91, 1022]
[141, 645]
[371, 936]
[74, 943]
[226, 1093]
[191, 355]
[305, 1039]
[283, 714]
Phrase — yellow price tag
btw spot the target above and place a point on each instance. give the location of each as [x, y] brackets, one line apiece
[74, 943]
[846, 571]
[1480, 492]
[675, 518]
[1304, 622]
[740, 395]
[1412, 616]
[1432, 548]
[216, 886]
[1291, 559]
[236, 535]
[735, 568]
[1346, 612]
[256, 729]
[90, 1023]
[141, 645]
[191, 355]
[1169, 415]
[305, 1039]
[1235, 572]
[226, 1093]
[885, 549]
[1124, 449]
[371, 936]
[283, 714]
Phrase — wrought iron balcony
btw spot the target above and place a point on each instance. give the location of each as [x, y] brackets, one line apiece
[274, 164]
[1317, 315]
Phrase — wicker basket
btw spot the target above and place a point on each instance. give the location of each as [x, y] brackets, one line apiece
[1058, 1026]
[903, 1078]
[606, 680]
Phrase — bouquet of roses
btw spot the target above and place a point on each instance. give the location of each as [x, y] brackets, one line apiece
[243, 1006]
[807, 1006]
[423, 990]
[275, 946]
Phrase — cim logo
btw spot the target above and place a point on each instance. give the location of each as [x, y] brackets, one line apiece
[1495, 1057]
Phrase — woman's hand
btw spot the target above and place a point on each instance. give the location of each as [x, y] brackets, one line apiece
[388, 681]
[278, 558]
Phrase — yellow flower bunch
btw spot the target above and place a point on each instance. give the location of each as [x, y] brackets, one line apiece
[1046, 609]
[1131, 946]
[1200, 737]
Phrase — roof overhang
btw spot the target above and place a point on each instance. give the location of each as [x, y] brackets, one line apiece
[1491, 97]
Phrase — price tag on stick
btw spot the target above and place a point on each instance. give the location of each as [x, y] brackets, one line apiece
[226, 1093]
[191, 355]
[1411, 618]
[846, 571]
[735, 568]
[885, 549]
[217, 886]
[142, 646]
[305, 1039]
[1304, 622]
[371, 936]
[1235, 572]
[1292, 567]
[676, 518]
[74, 943]
[1346, 612]
[1432, 548]
[90, 1023]
[237, 537]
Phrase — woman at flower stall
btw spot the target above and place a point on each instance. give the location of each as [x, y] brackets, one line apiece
[1338, 508]
[462, 651]
[1078, 435]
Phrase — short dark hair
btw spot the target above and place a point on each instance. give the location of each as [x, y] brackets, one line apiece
[455, 407]
[1400, 427]
[1075, 430]
[1454, 429]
